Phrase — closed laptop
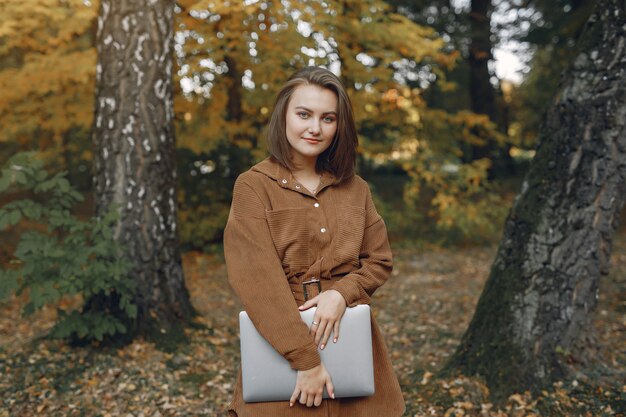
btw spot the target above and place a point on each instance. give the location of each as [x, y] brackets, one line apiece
[267, 376]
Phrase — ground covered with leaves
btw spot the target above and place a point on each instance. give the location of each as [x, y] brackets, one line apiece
[422, 311]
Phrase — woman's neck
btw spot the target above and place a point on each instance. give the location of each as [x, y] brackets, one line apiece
[305, 167]
[306, 174]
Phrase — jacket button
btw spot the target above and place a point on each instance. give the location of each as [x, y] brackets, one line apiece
[298, 187]
[284, 181]
[316, 205]
[323, 230]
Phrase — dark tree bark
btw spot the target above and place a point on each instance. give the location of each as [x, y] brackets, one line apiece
[134, 155]
[482, 94]
[482, 97]
[234, 90]
[533, 318]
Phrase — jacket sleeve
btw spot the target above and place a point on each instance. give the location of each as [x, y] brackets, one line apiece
[375, 258]
[256, 274]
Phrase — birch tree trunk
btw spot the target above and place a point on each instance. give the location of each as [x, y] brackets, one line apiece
[134, 154]
[533, 317]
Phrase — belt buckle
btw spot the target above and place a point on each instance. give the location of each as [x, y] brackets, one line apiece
[310, 282]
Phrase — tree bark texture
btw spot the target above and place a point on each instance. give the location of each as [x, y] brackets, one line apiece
[134, 146]
[533, 317]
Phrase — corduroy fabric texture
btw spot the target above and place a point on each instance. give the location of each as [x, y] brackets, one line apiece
[278, 235]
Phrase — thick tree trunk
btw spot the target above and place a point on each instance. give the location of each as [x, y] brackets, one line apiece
[533, 318]
[133, 138]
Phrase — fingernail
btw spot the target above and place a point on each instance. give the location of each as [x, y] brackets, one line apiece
[334, 340]
[290, 404]
[322, 347]
[333, 395]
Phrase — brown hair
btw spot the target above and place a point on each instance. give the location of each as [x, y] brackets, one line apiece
[340, 157]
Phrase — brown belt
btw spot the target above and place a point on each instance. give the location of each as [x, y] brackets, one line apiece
[304, 290]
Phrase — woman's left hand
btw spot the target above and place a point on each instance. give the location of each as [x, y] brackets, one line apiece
[330, 308]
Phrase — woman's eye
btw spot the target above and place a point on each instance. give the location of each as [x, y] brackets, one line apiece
[303, 115]
[329, 119]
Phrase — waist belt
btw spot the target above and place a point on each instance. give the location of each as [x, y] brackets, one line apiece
[305, 289]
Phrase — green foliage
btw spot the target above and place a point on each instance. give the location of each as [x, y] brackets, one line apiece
[60, 256]
[205, 186]
[462, 203]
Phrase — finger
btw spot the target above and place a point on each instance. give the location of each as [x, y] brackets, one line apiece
[302, 398]
[315, 325]
[309, 401]
[320, 331]
[330, 388]
[309, 303]
[336, 332]
[318, 400]
[294, 396]
[327, 331]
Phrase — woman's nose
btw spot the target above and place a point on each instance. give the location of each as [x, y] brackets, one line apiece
[314, 127]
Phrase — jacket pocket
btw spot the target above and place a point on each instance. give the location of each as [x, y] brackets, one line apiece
[348, 242]
[290, 235]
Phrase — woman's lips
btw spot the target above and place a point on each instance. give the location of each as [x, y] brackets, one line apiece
[313, 141]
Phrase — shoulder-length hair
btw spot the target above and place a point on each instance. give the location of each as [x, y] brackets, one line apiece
[339, 158]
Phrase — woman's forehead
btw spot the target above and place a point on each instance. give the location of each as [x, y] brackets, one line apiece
[314, 98]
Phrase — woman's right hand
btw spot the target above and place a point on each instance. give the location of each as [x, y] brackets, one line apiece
[310, 386]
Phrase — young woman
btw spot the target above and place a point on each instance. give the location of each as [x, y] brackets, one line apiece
[303, 215]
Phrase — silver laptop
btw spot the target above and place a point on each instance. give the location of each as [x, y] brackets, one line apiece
[267, 376]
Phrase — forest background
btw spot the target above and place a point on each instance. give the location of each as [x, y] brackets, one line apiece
[443, 160]
[444, 142]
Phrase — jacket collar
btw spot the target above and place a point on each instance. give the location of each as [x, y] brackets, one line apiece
[283, 176]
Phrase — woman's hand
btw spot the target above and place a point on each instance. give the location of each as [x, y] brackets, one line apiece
[310, 386]
[330, 308]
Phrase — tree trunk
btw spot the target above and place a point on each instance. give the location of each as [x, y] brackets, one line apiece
[235, 112]
[482, 94]
[133, 138]
[533, 317]
[482, 97]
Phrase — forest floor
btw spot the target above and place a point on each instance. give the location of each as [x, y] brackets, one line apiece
[422, 311]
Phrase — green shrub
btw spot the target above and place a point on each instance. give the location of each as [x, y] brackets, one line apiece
[58, 255]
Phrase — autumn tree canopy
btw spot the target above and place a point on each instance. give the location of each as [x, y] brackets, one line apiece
[230, 57]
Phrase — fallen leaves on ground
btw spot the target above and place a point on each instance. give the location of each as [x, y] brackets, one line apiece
[422, 311]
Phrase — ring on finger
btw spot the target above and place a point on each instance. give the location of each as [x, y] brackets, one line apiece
[315, 323]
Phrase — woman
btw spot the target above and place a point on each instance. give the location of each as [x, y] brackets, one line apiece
[302, 215]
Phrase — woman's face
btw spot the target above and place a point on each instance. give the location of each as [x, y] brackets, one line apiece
[311, 122]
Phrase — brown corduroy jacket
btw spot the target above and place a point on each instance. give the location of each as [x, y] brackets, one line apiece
[279, 235]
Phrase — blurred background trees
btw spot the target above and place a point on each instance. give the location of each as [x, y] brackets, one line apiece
[47, 69]
[430, 145]
[443, 140]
